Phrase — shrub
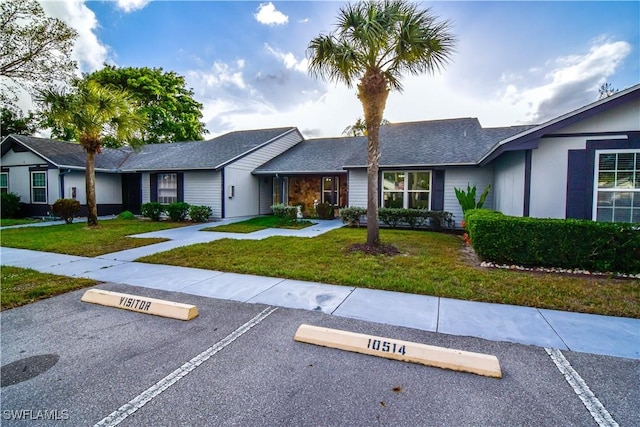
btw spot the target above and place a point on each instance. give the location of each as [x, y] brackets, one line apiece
[178, 211]
[351, 216]
[572, 244]
[438, 219]
[200, 213]
[390, 216]
[66, 209]
[467, 199]
[127, 215]
[325, 211]
[153, 210]
[284, 211]
[10, 205]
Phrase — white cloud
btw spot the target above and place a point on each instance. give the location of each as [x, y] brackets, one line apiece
[220, 75]
[289, 60]
[132, 5]
[303, 21]
[572, 82]
[88, 50]
[268, 15]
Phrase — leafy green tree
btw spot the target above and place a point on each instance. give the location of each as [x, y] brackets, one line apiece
[90, 114]
[359, 128]
[373, 45]
[35, 50]
[13, 121]
[173, 113]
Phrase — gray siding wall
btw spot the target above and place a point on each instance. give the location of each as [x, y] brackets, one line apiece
[266, 195]
[146, 187]
[460, 178]
[246, 186]
[509, 183]
[357, 188]
[202, 188]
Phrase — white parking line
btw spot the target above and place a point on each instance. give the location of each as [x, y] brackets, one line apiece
[143, 398]
[593, 405]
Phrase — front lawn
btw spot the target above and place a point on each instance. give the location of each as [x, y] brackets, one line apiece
[78, 239]
[20, 286]
[7, 222]
[429, 264]
[260, 223]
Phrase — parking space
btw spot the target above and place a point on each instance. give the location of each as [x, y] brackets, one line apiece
[103, 362]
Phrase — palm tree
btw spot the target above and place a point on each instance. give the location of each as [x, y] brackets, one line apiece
[373, 45]
[89, 115]
[359, 128]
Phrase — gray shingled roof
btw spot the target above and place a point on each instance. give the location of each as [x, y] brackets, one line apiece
[315, 155]
[435, 142]
[209, 154]
[68, 154]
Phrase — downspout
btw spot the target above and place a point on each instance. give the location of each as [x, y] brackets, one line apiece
[222, 194]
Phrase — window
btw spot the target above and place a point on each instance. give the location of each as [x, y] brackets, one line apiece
[4, 182]
[330, 190]
[38, 187]
[617, 186]
[280, 190]
[406, 190]
[167, 188]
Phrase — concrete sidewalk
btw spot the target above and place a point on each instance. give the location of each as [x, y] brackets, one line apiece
[613, 336]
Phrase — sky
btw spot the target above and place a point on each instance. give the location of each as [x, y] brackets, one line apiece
[515, 62]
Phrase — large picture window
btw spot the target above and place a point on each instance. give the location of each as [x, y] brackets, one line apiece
[410, 189]
[617, 186]
[38, 187]
[167, 188]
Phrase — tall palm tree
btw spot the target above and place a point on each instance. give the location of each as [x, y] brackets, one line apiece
[88, 115]
[359, 128]
[373, 45]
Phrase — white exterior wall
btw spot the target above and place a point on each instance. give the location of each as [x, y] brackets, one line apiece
[76, 179]
[202, 188]
[146, 187]
[238, 175]
[460, 178]
[108, 188]
[620, 119]
[508, 187]
[357, 188]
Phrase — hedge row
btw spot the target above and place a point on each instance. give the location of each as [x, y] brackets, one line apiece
[178, 211]
[562, 243]
[392, 217]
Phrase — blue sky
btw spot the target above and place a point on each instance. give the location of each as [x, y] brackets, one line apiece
[516, 62]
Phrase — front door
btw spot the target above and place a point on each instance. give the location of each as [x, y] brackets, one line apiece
[131, 192]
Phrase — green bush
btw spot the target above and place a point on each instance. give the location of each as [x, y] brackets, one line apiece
[467, 200]
[284, 211]
[390, 216]
[438, 219]
[571, 244]
[200, 213]
[178, 211]
[153, 210]
[10, 205]
[66, 209]
[351, 215]
[126, 215]
[325, 211]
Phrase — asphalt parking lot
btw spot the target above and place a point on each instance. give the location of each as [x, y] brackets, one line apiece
[71, 363]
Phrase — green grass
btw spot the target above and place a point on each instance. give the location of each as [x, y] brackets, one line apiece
[79, 239]
[6, 222]
[20, 286]
[430, 264]
[259, 223]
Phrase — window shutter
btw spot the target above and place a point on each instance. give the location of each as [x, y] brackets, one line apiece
[153, 181]
[577, 182]
[437, 194]
[180, 177]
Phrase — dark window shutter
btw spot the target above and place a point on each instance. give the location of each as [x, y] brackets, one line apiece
[577, 183]
[153, 178]
[437, 193]
[180, 177]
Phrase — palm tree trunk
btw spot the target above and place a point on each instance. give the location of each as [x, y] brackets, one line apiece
[373, 92]
[90, 182]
